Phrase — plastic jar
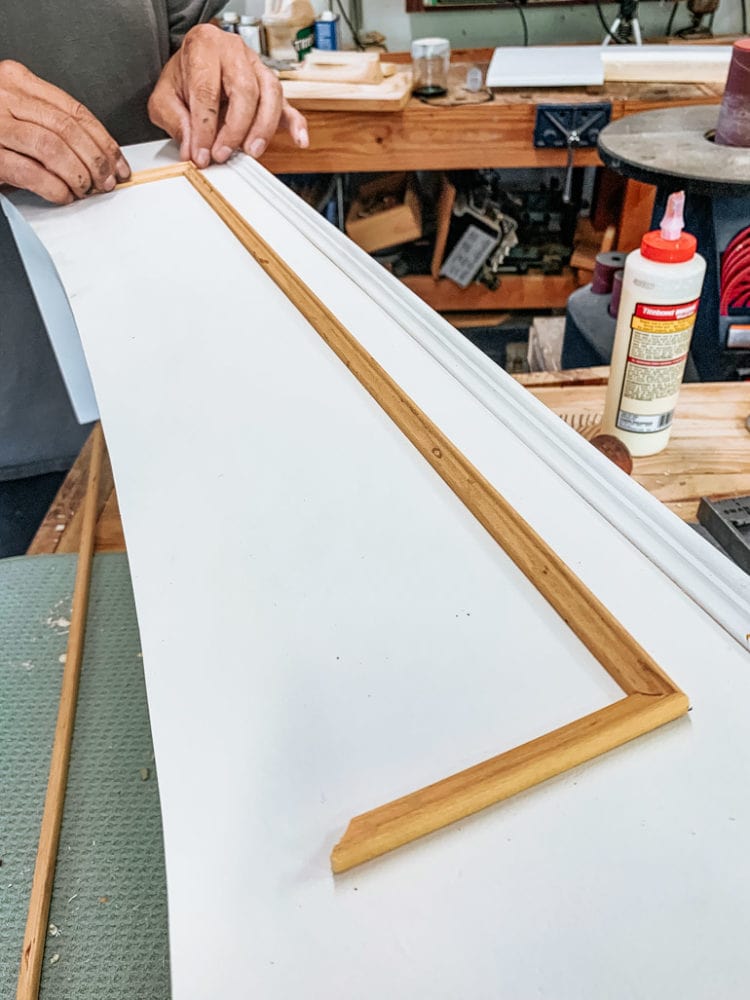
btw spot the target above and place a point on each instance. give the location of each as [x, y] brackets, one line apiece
[430, 60]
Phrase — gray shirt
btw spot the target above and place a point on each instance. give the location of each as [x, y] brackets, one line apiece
[109, 57]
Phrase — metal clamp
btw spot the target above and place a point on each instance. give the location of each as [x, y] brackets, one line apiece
[560, 126]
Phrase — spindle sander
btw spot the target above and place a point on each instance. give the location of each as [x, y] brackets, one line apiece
[705, 151]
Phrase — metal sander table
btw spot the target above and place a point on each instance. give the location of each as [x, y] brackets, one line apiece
[673, 149]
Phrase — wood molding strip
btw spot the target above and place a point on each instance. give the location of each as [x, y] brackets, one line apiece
[35, 935]
[399, 822]
[657, 699]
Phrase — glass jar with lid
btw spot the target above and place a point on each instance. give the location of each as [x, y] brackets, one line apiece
[430, 60]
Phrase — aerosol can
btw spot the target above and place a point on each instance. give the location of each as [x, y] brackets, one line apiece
[660, 296]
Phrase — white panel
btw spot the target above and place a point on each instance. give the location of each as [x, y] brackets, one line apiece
[696, 567]
[325, 627]
[667, 63]
[543, 66]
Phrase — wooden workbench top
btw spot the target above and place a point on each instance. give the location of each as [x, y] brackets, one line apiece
[708, 455]
[498, 133]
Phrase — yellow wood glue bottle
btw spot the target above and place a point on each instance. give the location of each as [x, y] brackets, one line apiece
[661, 289]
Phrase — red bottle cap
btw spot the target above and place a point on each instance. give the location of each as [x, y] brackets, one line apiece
[655, 247]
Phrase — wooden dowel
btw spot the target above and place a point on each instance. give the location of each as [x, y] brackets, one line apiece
[32, 954]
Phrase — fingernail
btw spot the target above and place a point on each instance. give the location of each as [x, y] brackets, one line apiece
[257, 147]
[202, 158]
[223, 153]
[122, 169]
[303, 138]
[109, 184]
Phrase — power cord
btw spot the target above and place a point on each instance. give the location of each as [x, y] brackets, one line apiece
[518, 4]
[600, 12]
[350, 26]
[670, 22]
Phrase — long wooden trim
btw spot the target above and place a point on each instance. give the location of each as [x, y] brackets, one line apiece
[35, 936]
[657, 699]
[626, 662]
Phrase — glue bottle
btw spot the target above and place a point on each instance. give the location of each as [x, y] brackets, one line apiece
[661, 290]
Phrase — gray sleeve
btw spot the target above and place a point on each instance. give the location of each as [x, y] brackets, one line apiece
[185, 14]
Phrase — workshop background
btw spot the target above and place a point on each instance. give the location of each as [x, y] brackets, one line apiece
[547, 25]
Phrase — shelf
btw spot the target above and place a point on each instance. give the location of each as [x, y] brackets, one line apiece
[516, 291]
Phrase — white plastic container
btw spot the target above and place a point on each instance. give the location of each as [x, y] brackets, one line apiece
[660, 296]
[249, 31]
[290, 29]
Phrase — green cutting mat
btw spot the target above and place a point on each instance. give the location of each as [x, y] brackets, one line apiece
[109, 907]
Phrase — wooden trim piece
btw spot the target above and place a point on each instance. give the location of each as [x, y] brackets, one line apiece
[626, 662]
[656, 699]
[157, 174]
[35, 936]
[374, 833]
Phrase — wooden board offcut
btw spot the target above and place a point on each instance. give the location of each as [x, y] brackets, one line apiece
[392, 94]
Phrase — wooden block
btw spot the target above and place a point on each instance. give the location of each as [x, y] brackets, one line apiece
[338, 67]
[444, 215]
[398, 223]
[392, 93]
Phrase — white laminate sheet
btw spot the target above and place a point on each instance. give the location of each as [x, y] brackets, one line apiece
[546, 66]
[325, 627]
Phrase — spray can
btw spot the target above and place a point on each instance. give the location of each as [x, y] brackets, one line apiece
[661, 290]
[327, 32]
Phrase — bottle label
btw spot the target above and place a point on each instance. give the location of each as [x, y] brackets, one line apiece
[657, 352]
[304, 42]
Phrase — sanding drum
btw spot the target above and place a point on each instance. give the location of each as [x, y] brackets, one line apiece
[733, 128]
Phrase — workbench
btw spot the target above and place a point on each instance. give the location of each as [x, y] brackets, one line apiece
[707, 455]
[497, 134]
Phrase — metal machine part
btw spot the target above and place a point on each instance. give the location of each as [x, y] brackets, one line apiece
[728, 522]
[673, 148]
[570, 126]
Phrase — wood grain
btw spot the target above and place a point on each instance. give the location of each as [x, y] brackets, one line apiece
[391, 95]
[374, 833]
[635, 215]
[44, 870]
[709, 449]
[496, 134]
[61, 529]
[516, 291]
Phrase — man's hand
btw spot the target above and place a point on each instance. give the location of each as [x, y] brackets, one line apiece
[50, 143]
[215, 96]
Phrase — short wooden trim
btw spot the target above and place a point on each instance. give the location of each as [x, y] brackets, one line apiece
[652, 699]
